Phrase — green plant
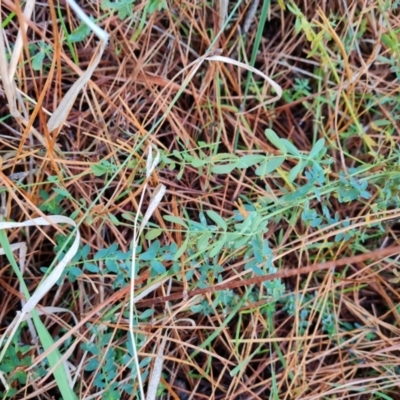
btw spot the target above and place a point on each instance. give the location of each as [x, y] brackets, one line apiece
[14, 363]
[280, 190]
[123, 8]
[44, 50]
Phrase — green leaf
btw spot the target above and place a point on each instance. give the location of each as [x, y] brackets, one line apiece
[217, 219]
[274, 163]
[91, 267]
[261, 170]
[223, 169]
[53, 356]
[249, 160]
[291, 148]
[158, 267]
[43, 194]
[224, 157]
[52, 179]
[113, 219]
[181, 171]
[240, 367]
[218, 246]
[175, 220]
[124, 8]
[177, 154]
[196, 226]
[112, 265]
[319, 145]
[147, 255]
[146, 314]
[128, 217]
[270, 166]
[153, 233]
[62, 192]
[295, 171]
[92, 365]
[37, 61]
[182, 249]
[197, 162]
[75, 271]
[275, 140]
[98, 169]
[202, 241]
[189, 274]
[85, 251]
[382, 122]
[387, 41]
[155, 5]
[75, 214]
[80, 33]
[246, 224]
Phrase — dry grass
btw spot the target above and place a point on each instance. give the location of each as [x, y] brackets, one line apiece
[130, 103]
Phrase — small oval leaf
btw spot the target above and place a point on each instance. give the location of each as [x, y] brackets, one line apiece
[182, 249]
[291, 148]
[275, 140]
[197, 163]
[270, 166]
[295, 171]
[319, 145]
[175, 220]
[158, 267]
[223, 169]
[218, 246]
[153, 233]
[217, 219]
[250, 160]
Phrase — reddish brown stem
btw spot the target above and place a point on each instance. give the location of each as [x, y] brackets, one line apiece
[285, 273]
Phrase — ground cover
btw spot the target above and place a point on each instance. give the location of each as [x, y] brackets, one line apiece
[199, 200]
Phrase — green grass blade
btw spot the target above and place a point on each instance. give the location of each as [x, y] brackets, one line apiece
[54, 357]
[257, 41]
